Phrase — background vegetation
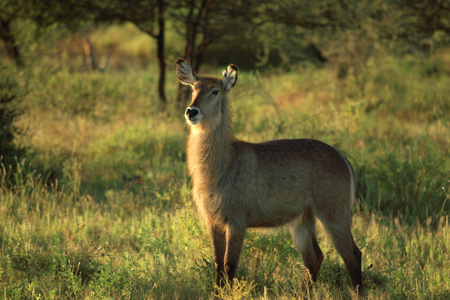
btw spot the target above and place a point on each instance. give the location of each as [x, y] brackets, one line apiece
[94, 194]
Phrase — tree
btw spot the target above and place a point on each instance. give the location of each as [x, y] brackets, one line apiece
[418, 21]
[147, 15]
[8, 113]
[205, 22]
[9, 41]
[10, 11]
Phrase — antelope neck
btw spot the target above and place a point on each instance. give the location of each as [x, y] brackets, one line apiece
[210, 151]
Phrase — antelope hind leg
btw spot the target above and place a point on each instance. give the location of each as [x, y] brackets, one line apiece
[304, 237]
[342, 238]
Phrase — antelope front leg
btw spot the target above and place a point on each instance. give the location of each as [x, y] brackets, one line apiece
[218, 239]
[235, 239]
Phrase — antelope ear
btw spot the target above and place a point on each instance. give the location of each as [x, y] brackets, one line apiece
[229, 77]
[185, 73]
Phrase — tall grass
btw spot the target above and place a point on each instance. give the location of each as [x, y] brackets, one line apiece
[101, 208]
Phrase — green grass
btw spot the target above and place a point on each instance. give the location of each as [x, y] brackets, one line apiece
[101, 208]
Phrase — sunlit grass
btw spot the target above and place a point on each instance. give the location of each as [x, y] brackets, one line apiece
[111, 214]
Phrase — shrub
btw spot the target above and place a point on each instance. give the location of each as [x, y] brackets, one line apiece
[404, 185]
[9, 111]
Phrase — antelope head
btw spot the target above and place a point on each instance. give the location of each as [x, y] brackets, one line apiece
[208, 94]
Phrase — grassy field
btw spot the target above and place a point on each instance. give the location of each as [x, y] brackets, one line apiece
[101, 207]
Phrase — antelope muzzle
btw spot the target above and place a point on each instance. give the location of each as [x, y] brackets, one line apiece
[193, 115]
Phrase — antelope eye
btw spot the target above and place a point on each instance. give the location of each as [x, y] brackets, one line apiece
[215, 92]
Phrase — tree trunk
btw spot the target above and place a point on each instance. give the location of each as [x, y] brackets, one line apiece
[200, 51]
[192, 53]
[161, 54]
[203, 20]
[184, 91]
[191, 34]
[12, 50]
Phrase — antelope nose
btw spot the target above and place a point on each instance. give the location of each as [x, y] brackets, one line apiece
[191, 112]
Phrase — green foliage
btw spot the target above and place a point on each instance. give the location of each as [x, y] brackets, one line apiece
[343, 32]
[406, 186]
[10, 110]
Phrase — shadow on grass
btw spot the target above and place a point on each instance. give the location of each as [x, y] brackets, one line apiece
[335, 275]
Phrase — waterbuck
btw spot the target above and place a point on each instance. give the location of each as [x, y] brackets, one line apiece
[237, 185]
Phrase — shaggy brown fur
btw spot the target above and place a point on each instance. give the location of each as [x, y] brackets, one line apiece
[237, 185]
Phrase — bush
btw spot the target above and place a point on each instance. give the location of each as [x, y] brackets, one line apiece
[9, 111]
[404, 185]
